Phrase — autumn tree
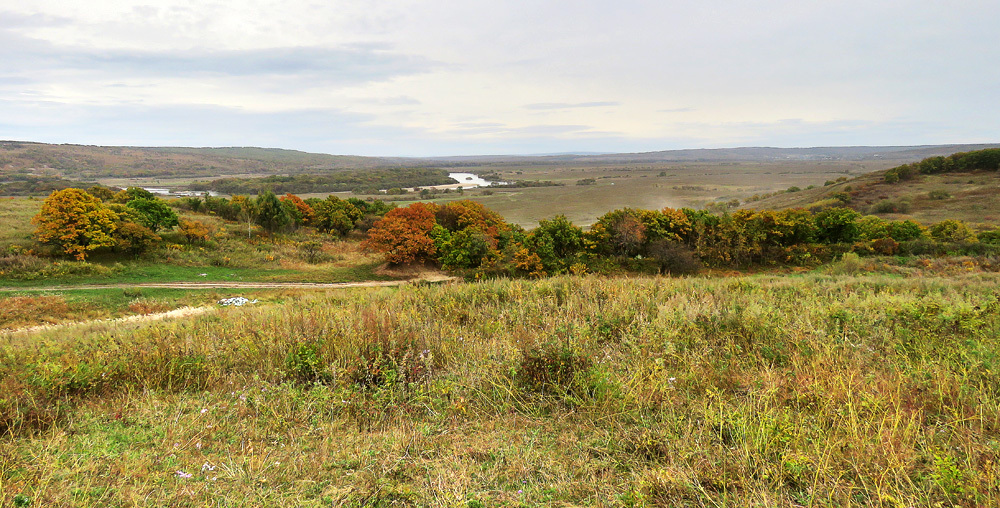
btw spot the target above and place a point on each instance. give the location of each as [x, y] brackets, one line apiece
[470, 215]
[618, 232]
[133, 238]
[76, 222]
[300, 211]
[194, 231]
[101, 192]
[404, 234]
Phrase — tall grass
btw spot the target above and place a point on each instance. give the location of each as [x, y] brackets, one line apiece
[822, 390]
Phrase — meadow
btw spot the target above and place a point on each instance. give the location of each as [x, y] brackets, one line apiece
[643, 185]
[850, 385]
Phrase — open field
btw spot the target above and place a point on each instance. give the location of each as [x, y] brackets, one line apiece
[15, 220]
[815, 389]
[642, 186]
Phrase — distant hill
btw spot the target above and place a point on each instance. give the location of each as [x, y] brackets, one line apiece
[90, 162]
[965, 195]
[85, 162]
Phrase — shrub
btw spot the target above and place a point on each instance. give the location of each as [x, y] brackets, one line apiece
[674, 258]
[952, 230]
[391, 364]
[850, 263]
[553, 369]
[194, 231]
[885, 246]
[303, 364]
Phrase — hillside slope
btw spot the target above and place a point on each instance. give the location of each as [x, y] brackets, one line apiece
[92, 162]
[926, 198]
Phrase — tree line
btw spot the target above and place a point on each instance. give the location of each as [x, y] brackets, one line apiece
[78, 221]
[978, 160]
[368, 181]
[467, 235]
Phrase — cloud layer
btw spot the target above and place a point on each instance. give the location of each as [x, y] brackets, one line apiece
[449, 77]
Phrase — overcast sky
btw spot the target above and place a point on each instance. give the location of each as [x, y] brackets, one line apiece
[459, 77]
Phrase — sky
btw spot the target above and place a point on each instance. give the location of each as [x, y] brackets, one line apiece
[471, 77]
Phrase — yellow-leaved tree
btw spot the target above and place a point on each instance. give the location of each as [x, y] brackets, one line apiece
[75, 221]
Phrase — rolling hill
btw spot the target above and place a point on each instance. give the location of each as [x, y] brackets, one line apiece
[965, 195]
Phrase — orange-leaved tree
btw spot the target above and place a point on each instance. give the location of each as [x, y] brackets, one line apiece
[404, 234]
[298, 209]
[75, 221]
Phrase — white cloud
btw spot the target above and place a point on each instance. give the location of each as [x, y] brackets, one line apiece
[476, 76]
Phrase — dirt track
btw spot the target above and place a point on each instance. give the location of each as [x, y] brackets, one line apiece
[192, 311]
[236, 285]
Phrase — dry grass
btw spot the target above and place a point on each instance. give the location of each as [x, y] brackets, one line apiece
[971, 197]
[686, 184]
[15, 221]
[818, 390]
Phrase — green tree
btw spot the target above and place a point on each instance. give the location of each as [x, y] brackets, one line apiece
[153, 213]
[335, 215]
[270, 214]
[556, 242]
[837, 225]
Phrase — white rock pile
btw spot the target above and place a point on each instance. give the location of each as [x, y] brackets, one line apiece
[236, 301]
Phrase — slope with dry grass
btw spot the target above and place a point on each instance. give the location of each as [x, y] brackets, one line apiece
[821, 389]
[969, 197]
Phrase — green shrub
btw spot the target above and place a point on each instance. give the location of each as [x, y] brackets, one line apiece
[304, 364]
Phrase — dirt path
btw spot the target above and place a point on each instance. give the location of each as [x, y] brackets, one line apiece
[238, 285]
[137, 318]
[193, 311]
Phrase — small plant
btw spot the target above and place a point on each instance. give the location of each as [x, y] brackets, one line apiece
[938, 194]
[387, 365]
[304, 364]
[849, 264]
[132, 292]
[552, 368]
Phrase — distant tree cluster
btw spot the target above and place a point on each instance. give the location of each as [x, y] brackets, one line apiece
[368, 181]
[279, 214]
[78, 221]
[22, 184]
[130, 221]
[979, 160]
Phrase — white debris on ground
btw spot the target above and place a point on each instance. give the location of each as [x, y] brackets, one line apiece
[236, 301]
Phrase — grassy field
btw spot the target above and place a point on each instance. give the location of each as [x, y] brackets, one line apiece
[864, 389]
[56, 306]
[15, 220]
[649, 186]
